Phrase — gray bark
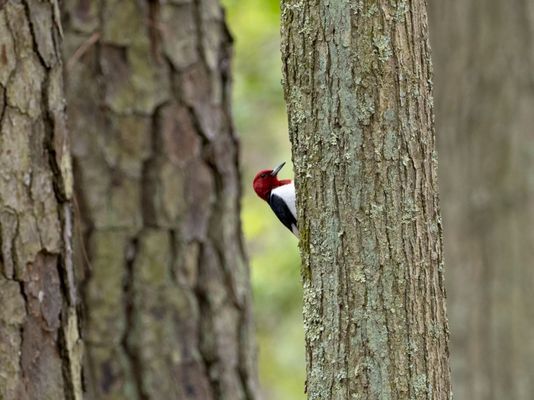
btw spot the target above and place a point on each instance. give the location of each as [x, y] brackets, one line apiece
[40, 348]
[485, 101]
[359, 97]
[166, 287]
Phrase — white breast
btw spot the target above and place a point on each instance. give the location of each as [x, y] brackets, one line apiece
[287, 192]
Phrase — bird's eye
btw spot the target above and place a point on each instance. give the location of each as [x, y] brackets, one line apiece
[263, 175]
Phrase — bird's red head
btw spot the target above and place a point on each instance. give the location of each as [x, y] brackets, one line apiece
[266, 180]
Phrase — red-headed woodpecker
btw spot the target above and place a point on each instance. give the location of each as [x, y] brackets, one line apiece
[279, 194]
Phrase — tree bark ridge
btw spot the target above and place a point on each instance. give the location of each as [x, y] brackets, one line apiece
[40, 347]
[167, 285]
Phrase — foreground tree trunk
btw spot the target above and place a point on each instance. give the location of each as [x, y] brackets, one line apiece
[40, 350]
[167, 287]
[485, 102]
[358, 89]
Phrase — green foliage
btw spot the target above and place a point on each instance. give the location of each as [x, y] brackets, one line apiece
[261, 122]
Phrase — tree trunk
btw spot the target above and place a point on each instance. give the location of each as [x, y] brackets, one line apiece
[485, 119]
[40, 349]
[166, 288]
[359, 95]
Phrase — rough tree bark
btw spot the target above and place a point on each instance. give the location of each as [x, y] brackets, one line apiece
[40, 350]
[485, 119]
[166, 288]
[359, 95]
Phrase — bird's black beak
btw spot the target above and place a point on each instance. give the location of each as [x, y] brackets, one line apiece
[277, 169]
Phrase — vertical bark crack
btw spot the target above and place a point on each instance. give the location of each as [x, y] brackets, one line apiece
[130, 311]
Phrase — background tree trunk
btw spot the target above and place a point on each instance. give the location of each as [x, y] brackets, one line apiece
[167, 286]
[485, 119]
[40, 350]
[358, 88]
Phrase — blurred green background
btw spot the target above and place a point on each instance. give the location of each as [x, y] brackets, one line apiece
[261, 123]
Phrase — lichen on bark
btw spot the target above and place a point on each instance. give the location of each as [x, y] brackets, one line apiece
[357, 80]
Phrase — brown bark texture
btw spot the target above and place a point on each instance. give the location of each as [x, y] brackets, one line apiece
[359, 97]
[40, 349]
[166, 282]
[484, 61]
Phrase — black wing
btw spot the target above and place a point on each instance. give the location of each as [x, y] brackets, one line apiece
[283, 213]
